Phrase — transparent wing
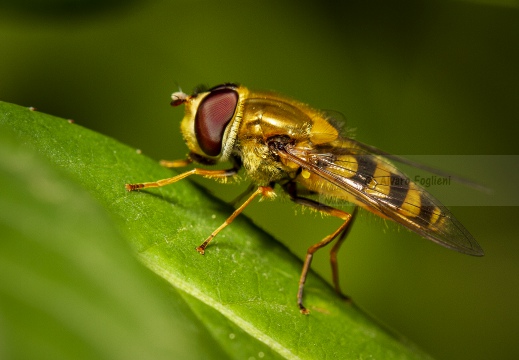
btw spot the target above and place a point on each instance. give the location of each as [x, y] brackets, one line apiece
[383, 189]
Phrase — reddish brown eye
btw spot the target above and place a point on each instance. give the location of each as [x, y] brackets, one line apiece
[214, 113]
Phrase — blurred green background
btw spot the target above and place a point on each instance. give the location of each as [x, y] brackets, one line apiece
[413, 77]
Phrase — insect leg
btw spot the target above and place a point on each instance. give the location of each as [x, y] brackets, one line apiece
[342, 230]
[265, 191]
[195, 171]
[333, 255]
[180, 163]
[175, 163]
[247, 192]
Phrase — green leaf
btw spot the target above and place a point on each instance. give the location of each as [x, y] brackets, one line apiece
[70, 287]
[239, 298]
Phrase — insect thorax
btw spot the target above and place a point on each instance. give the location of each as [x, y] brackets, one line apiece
[260, 165]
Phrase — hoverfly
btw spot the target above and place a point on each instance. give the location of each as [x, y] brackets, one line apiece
[281, 141]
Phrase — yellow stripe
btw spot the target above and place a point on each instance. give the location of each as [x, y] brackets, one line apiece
[435, 216]
[412, 203]
[381, 182]
[348, 167]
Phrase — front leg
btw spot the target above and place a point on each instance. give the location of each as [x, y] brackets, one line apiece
[212, 174]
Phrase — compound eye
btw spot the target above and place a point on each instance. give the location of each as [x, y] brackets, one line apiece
[214, 113]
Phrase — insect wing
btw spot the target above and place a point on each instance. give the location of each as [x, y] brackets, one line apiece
[380, 187]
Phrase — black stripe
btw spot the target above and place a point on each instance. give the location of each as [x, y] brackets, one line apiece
[427, 208]
[398, 189]
[366, 169]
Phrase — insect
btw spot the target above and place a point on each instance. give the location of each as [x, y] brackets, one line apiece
[280, 141]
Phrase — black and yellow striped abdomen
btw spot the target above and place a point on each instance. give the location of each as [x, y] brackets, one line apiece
[371, 181]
